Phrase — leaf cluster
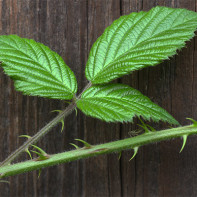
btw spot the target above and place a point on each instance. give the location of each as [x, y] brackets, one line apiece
[130, 43]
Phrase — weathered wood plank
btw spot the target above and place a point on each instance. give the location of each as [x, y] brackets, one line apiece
[178, 170]
[156, 170]
[102, 175]
[62, 26]
[70, 28]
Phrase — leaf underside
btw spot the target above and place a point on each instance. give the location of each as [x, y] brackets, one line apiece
[118, 102]
[35, 69]
[139, 40]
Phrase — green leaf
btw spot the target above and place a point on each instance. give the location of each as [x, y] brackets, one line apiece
[118, 102]
[139, 40]
[35, 69]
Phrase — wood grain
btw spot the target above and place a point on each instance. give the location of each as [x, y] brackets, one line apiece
[70, 28]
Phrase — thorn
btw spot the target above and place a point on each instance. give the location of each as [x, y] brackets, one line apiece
[84, 142]
[41, 151]
[184, 142]
[39, 154]
[76, 111]
[194, 122]
[56, 111]
[151, 128]
[39, 172]
[119, 155]
[74, 145]
[27, 136]
[42, 155]
[144, 126]
[62, 120]
[135, 153]
[27, 151]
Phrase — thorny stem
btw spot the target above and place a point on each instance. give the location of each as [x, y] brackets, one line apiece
[85, 152]
[39, 135]
[43, 131]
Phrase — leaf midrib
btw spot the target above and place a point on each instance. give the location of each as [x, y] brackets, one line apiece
[31, 59]
[112, 99]
[52, 79]
[132, 48]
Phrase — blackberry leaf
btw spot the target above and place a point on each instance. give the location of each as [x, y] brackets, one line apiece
[118, 102]
[138, 40]
[35, 69]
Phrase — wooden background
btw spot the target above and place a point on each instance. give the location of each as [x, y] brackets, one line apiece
[70, 27]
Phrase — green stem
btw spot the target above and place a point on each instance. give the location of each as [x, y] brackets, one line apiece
[116, 146]
[38, 135]
[43, 131]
